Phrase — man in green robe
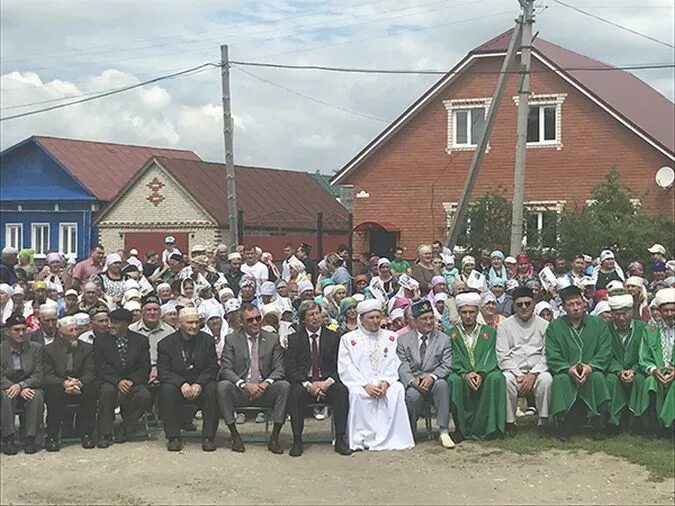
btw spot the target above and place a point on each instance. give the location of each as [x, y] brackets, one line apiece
[477, 386]
[624, 377]
[657, 402]
[578, 353]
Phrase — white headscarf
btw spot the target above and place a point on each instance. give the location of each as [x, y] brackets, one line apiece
[9, 307]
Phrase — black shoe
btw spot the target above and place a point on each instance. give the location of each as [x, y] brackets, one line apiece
[274, 446]
[9, 447]
[237, 444]
[188, 427]
[174, 445]
[121, 436]
[104, 441]
[342, 448]
[457, 437]
[208, 444]
[30, 446]
[511, 430]
[87, 442]
[296, 450]
[52, 444]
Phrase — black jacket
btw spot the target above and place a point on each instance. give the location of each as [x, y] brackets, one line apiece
[298, 359]
[55, 357]
[171, 363]
[108, 366]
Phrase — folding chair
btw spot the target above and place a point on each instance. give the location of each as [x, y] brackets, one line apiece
[268, 415]
[320, 439]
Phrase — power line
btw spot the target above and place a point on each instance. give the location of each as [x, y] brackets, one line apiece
[193, 70]
[612, 23]
[318, 101]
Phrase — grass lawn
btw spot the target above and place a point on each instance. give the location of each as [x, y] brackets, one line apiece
[656, 454]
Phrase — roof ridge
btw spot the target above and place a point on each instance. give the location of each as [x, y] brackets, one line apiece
[141, 146]
[236, 165]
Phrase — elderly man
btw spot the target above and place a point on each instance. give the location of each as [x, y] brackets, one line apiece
[522, 358]
[21, 376]
[151, 326]
[48, 317]
[252, 374]
[122, 368]
[99, 320]
[426, 359]
[368, 366]
[69, 378]
[657, 360]
[578, 353]
[625, 381]
[311, 368]
[477, 386]
[89, 267]
[187, 367]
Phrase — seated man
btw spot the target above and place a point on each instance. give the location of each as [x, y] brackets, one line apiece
[578, 353]
[522, 358]
[657, 360]
[122, 370]
[625, 381]
[100, 324]
[47, 316]
[187, 367]
[368, 366]
[477, 386]
[21, 377]
[252, 374]
[426, 357]
[151, 326]
[69, 379]
[311, 368]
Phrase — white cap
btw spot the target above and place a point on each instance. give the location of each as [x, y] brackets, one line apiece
[70, 291]
[232, 305]
[510, 260]
[169, 239]
[657, 248]
[197, 247]
[82, 319]
[588, 258]
[8, 250]
[614, 285]
[188, 311]
[132, 305]
[113, 258]
[133, 251]
[233, 256]
[606, 254]
[383, 261]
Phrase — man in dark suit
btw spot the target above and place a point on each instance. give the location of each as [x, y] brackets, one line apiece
[48, 316]
[311, 369]
[20, 383]
[122, 369]
[187, 368]
[252, 374]
[69, 378]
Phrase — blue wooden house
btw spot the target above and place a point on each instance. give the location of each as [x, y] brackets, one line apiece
[51, 189]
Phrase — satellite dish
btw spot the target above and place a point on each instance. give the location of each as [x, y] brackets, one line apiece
[665, 177]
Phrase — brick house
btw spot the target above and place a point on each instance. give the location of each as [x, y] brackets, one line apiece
[188, 199]
[407, 181]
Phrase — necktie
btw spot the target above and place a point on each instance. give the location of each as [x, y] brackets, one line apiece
[315, 359]
[255, 363]
[423, 347]
[122, 349]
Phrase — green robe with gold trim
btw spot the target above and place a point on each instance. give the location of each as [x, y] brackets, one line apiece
[651, 355]
[482, 413]
[625, 356]
[566, 347]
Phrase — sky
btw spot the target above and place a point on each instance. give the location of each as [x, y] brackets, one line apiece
[55, 50]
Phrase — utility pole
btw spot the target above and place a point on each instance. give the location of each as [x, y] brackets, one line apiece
[521, 135]
[228, 134]
[471, 177]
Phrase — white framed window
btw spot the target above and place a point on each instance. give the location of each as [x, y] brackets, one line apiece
[68, 239]
[40, 238]
[14, 235]
[544, 120]
[450, 209]
[466, 122]
[541, 223]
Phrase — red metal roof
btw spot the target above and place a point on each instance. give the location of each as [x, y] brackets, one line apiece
[633, 99]
[269, 198]
[104, 168]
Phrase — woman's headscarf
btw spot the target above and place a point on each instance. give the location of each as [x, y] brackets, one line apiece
[267, 259]
[9, 306]
[346, 303]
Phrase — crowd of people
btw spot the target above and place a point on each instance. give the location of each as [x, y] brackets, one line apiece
[378, 341]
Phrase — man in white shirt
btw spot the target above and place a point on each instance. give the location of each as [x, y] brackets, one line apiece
[100, 323]
[521, 355]
[254, 267]
[170, 248]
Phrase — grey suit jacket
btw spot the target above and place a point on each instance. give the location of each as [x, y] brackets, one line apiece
[235, 359]
[31, 373]
[437, 359]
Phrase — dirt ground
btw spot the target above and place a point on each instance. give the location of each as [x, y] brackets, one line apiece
[143, 472]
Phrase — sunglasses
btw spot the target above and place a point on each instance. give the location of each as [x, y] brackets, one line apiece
[254, 319]
[524, 304]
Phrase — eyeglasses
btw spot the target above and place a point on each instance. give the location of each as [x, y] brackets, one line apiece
[254, 319]
[524, 304]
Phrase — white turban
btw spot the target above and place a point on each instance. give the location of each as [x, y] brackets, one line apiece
[601, 307]
[4, 287]
[665, 296]
[467, 299]
[368, 305]
[188, 311]
[617, 302]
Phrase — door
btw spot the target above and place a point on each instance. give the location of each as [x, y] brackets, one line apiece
[146, 241]
[382, 242]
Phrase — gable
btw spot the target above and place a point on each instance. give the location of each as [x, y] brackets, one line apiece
[27, 173]
[154, 197]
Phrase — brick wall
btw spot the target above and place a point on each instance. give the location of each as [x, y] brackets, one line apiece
[410, 177]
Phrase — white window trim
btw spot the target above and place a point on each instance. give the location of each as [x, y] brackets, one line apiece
[541, 206]
[7, 228]
[450, 208]
[62, 249]
[557, 100]
[32, 237]
[458, 104]
[637, 203]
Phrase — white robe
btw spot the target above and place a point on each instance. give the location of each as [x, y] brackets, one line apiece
[374, 424]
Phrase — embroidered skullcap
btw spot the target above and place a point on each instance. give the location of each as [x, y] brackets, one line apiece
[188, 311]
[46, 309]
[421, 307]
[82, 319]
